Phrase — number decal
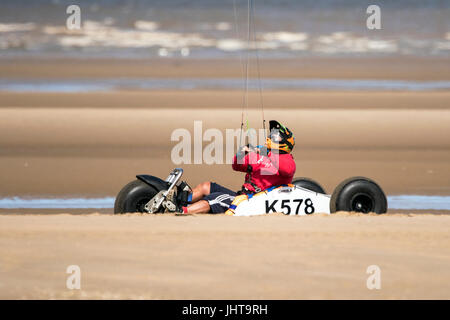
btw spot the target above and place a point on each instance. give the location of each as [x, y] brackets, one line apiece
[299, 204]
[270, 207]
[283, 205]
[309, 208]
[286, 204]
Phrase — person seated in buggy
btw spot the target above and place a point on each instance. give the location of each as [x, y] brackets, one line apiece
[264, 167]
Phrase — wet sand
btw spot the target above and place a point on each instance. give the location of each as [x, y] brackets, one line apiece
[388, 68]
[221, 257]
[93, 150]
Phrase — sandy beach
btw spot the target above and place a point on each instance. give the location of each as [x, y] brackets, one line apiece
[222, 257]
[94, 93]
[91, 144]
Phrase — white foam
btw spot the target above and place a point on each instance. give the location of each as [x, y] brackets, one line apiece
[97, 34]
[285, 37]
[223, 26]
[55, 30]
[11, 40]
[146, 25]
[104, 35]
[345, 42]
[442, 45]
[230, 45]
[14, 27]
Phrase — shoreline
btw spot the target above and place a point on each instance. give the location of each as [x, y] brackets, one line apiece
[396, 204]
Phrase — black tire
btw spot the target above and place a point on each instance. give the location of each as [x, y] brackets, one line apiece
[358, 194]
[133, 197]
[308, 184]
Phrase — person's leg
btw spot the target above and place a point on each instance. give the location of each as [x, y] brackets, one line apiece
[209, 197]
[201, 206]
[201, 190]
[219, 202]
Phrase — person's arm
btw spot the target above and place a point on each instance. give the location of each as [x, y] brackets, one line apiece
[279, 165]
[244, 158]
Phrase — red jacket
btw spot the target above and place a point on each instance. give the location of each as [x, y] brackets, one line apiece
[265, 172]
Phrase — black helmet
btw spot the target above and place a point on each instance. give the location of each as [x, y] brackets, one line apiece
[280, 137]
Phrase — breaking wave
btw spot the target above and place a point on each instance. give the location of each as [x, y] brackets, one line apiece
[151, 39]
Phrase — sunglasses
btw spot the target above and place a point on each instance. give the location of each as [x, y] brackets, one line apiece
[275, 136]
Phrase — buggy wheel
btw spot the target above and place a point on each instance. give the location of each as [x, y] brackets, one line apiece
[133, 197]
[358, 194]
[308, 184]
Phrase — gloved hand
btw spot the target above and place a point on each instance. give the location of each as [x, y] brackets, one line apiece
[262, 150]
[242, 152]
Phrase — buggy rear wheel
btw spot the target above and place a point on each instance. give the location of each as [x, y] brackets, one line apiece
[358, 194]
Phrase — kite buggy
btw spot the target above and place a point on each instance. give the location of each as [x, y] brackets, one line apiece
[150, 194]
[269, 187]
